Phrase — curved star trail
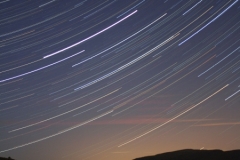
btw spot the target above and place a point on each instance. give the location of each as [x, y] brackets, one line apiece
[86, 79]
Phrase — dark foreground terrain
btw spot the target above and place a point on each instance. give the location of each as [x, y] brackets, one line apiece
[190, 154]
[3, 158]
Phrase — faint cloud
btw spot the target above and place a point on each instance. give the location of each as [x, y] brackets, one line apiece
[120, 152]
[217, 124]
[146, 120]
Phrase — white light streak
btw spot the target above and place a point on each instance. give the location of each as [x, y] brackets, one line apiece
[64, 49]
[61, 132]
[172, 118]
[208, 23]
[4, 80]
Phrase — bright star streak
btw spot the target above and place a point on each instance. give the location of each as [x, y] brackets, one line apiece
[119, 42]
[172, 118]
[40, 68]
[232, 95]
[63, 113]
[61, 132]
[91, 36]
[208, 23]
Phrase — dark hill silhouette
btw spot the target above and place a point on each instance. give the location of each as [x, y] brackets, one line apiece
[190, 154]
[9, 158]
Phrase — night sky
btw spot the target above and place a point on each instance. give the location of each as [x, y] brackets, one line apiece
[104, 79]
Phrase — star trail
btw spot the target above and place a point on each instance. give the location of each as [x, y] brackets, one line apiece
[113, 79]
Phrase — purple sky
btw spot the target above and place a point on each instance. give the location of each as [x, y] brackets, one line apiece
[118, 79]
